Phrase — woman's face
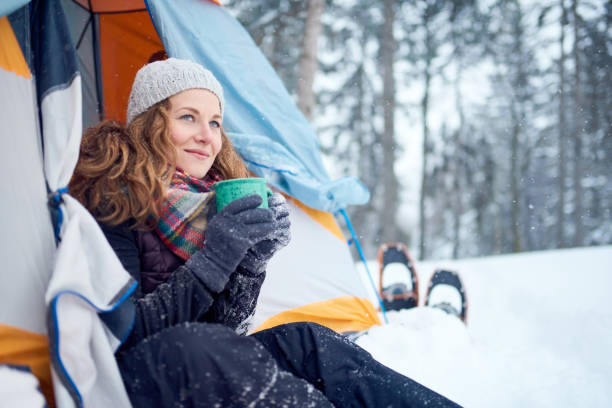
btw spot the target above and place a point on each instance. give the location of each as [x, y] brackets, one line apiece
[195, 130]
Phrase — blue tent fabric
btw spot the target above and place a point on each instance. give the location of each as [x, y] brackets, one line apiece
[8, 6]
[56, 62]
[263, 121]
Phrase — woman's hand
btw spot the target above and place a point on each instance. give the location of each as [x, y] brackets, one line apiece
[257, 257]
[229, 234]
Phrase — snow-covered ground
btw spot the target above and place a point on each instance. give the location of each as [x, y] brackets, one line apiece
[539, 332]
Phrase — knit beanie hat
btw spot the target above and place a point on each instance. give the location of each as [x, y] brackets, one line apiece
[161, 79]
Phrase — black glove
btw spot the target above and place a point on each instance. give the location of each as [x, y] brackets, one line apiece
[257, 257]
[229, 234]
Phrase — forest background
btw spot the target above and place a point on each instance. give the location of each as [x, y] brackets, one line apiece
[479, 127]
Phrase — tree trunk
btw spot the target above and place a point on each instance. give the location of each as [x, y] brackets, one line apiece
[578, 133]
[458, 160]
[424, 117]
[308, 60]
[517, 108]
[516, 199]
[562, 124]
[390, 194]
[363, 214]
[457, 205]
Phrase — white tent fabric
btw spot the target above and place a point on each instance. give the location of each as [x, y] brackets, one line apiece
[308, 270]
[19, 388]
[27, 251]
[86, 280]
[87, 277]
[73, 283]
[27, 244]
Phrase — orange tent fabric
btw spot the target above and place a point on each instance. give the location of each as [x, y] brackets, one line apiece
[108, 6]
[127, 42]
[343, 314]
[24, 348]
[11, 57]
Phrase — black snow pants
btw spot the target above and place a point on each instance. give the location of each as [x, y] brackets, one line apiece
[293, 365]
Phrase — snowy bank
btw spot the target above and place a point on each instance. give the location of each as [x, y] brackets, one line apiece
[539, 332]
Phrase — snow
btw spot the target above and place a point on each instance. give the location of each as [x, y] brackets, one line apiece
[19, 388]
[539, 332]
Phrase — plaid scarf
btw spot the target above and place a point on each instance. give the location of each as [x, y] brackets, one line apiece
[182, 220]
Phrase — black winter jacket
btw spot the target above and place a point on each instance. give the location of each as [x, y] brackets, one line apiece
[157, 261]
[182, 297]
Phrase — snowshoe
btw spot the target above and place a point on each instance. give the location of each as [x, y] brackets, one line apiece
[446, 291]
[398, 281]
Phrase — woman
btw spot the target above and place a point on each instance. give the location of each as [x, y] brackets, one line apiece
[201, 271]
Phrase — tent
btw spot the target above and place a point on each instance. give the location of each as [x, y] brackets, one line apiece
[66, 64]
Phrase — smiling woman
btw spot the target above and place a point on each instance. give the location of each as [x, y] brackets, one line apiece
[201, 271]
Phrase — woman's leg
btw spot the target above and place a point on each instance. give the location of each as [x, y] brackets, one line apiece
[347, 374]
[209, 365]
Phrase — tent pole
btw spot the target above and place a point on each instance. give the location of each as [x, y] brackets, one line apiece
[78, 44]
[96, 51]
[362, 256]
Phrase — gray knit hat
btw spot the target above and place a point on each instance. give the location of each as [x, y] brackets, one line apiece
[161, 79]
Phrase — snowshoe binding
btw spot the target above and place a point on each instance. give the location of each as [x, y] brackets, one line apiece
[446, 291]
[398, 281]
